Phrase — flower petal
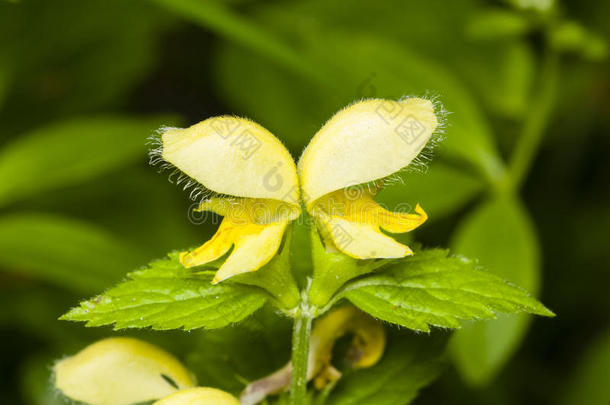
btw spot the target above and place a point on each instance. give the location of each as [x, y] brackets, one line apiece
[232, 156]
[252, 251]
[120, 371]
[353, 225]
[240, 159]
[366, 348]
[366, 141]
[360, 241]
[254, 237]
[199, 396]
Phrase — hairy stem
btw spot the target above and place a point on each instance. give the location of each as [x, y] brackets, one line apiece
[300, 353]
[537, 120]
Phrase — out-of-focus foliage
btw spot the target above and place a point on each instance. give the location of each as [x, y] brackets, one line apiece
[500, 234]
[46, 159]
[45, 246]
[84, 83]
[588, 379]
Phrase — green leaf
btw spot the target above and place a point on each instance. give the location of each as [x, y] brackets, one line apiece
[70, 152]
[441, 190]
[570, 36]
[590, 379]
[434, 289]
[517, 72]
[494, 24]
[504, 82]
[500, 234]
[409, 363]
[165, 295]
[66, 252]
[536, 6]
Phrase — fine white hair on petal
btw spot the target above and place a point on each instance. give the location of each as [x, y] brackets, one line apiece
[358, 144]
[421, 163]
[198, 192]
[230, 155]
[425, 157]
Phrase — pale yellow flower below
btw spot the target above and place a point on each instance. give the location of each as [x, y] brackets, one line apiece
[123, 371]
[120, 371]
[199, 396]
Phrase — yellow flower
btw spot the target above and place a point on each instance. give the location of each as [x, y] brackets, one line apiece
[364, 143]
[122, 371]
[199, 396]
[368, 343]
[250, 178]
[248, 170]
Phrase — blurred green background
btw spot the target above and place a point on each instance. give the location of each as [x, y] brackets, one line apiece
[521, 181]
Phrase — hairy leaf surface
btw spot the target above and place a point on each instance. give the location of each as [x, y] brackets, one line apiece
[434, 289]
[167, 296]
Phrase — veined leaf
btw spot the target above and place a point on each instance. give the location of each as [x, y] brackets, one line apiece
[409, 363]
[71, 151]
[500, 234]
[434, 289]
[165, 295]
[66, 252]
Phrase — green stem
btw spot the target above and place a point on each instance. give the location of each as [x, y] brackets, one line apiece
[300, 353]
[537, 120]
